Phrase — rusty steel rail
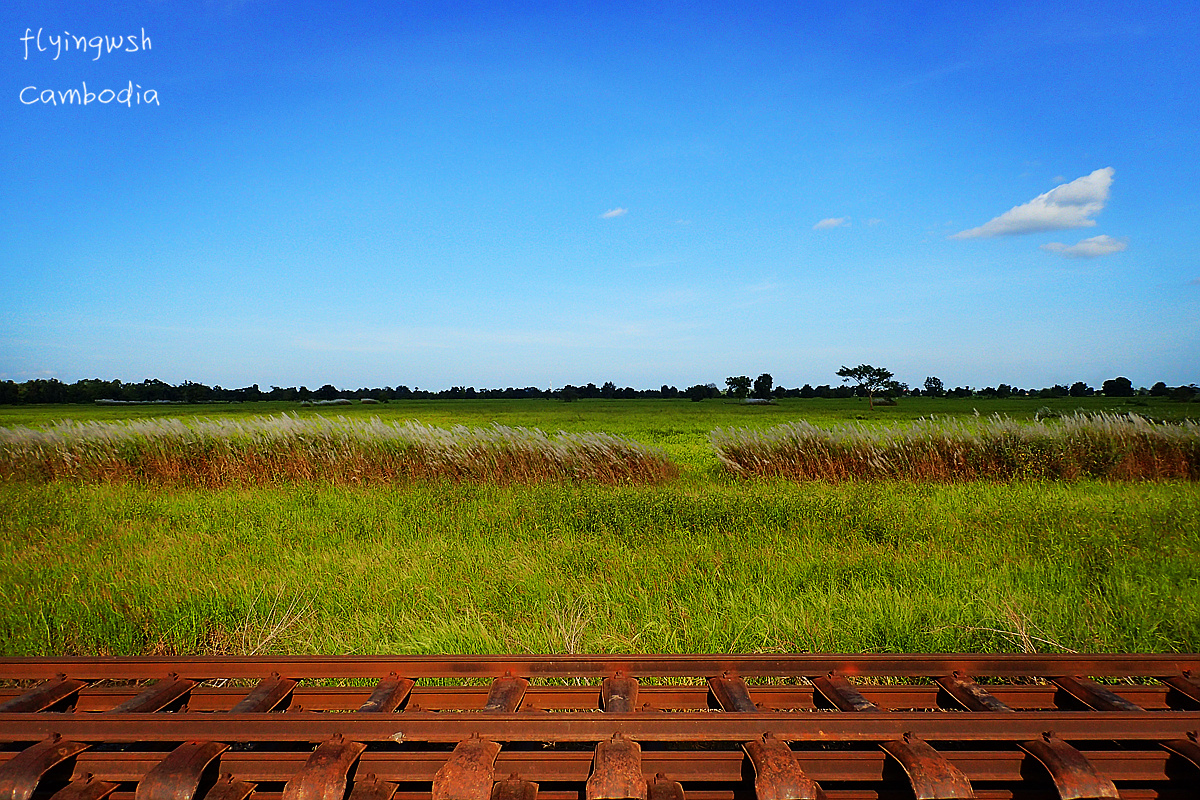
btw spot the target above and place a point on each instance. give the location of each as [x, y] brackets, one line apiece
[771, 727]
[600, 667]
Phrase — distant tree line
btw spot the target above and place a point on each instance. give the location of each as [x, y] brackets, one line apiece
[155, 391]
[741, 387]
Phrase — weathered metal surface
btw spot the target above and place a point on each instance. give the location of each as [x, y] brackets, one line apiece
[1188, 689]
[165, 692]
[777, 774]
[178, 776]
[306, 726]
[270, 693]
[1074, 776]
[514, 788]
[619, 693]
[87, 788]
[986, 762]
[617, 771]
[389, 695]
[1187, 748]
[599, 667]
[662, 788]
[732, 694]
[371, 788]
[838, 692]
[930, 773]
[506, 694]
[20, 775]
[582, 695]
[469, 773]
[47, 695]
[1094, 695]
[969, 695]
[550, 747]
[326, 771]
[230, 788]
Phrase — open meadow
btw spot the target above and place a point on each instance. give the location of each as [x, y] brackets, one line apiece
[699, 561]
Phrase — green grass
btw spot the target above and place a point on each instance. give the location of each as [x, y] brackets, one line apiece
[704, 563]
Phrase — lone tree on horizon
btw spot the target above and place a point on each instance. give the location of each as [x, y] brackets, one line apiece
[867, 378]
[739, 386]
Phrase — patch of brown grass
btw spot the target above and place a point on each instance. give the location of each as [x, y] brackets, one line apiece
[1108, 446]
[288, 449]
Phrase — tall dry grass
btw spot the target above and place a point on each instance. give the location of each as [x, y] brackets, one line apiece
[262, 450]
[1111, 446]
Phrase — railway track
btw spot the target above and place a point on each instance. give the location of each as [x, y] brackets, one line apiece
[843, 727]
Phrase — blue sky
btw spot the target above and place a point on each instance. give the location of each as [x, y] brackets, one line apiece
[496, 194]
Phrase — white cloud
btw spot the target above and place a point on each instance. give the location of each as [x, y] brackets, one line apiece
[873, 221]
[832, 222]
[1102, 245]
[1070, 205]
[614, 212]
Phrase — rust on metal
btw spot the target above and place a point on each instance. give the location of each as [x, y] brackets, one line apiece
[178, 776]
[931, 775]
[86, 788]
[389, 694]
[427, 726]
[20, 775]
[1184, 687]
[662, 788]
[777, 774]
[371, 752]
[162, 694]
[229, 788]
[1074, 776]
[731, 693]
[838, 692]
[968, 694]
[1187, 748]
[619, 693]
[269, 694]
[514, 788]
[601, 666]
[469, 773]
[325, 773]
[506, 693]
[416, 764]
[371, 788]
[1094, 695]
[46, 695]
[617, 771]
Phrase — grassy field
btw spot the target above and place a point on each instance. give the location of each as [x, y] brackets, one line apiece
[702, 563]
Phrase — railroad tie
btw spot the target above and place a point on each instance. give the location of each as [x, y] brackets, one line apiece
[929, 773]
[21, 775]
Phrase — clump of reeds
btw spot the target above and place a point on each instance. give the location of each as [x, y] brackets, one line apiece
[1111, 446]
[289, 449]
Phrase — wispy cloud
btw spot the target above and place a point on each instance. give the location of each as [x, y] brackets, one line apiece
[614, 212]
[832, 222]
[1102, 245]
[1070, 205]
[873, 221]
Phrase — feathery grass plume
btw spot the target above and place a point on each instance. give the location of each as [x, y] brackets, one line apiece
[289, 449]
[1112, 446]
